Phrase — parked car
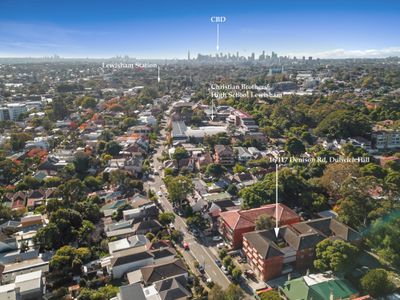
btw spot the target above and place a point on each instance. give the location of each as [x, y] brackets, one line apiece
[218, 263]
[220, 245]
[217, 238]
[224, 270]
[159, 193]
[200, 268]
[196, 232]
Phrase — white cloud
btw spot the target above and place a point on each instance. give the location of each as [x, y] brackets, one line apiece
[342, 53]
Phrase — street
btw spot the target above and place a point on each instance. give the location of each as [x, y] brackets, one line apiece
[196, 251]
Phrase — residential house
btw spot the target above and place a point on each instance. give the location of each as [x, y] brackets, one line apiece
[124, 261]
[126, 292]
[132, 164]
[111, 207]
[224, 155]
[243, 155]
[7, 242]
[157, 272]
[19, 267]
[147, 211]
[169, 289]
[15, 201]
[146, 226]
[127, 243]
[28, 286]
[244, 179]
[255, 153]
[140, 129]
[321, 286]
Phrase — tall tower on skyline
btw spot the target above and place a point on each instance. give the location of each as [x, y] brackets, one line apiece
[188, 54]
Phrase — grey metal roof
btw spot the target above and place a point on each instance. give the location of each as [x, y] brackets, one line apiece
[132, 291]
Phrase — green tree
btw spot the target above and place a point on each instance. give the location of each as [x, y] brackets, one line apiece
[216, 293]
[89, 210]
[215, 170]
[88, 102]
[344, 124]
[166, 218]
[234, 292]
[357, 208]
[92, 183]
[227, 261]
[264, 222]
[69, 259]
[197, 220]
[336, 174]
[294, 146]
[60, 109]
[113, 148]
[179, 154]
[377, 283]
[238, 168]
[9, 170]
[178, 188]
[270, 295]
[18, 140]
[71, 191]
[48, 237]
[336, 255]
[383, 238]
[372, 169]
[236, 273]
[85, 233]
[53, 181]
[81, 162]
[68, 221]
[392, 180]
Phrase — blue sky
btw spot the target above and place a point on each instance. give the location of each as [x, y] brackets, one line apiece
[168, 29]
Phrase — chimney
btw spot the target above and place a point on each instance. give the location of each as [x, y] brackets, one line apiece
[331, 295]
[308, 272]
[289, 276]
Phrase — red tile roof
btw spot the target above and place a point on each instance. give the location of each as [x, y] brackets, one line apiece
[237, 219]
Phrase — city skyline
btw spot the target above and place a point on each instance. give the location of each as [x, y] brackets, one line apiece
[361, 29]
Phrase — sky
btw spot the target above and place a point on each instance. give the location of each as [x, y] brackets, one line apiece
[168, 29]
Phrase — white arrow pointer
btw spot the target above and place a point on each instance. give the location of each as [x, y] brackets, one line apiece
[276, 229]
[217, 37]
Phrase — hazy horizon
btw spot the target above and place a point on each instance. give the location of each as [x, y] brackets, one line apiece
[159, 30]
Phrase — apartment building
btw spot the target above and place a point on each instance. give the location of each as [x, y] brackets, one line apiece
[224, 155]
[235, 223]
[386, 139]
[294, 248]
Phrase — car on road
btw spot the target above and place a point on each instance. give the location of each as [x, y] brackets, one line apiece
[159, 194]
[218, 263]
[171, 225]
[186, 246]
[156, 173]
[217, 238]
